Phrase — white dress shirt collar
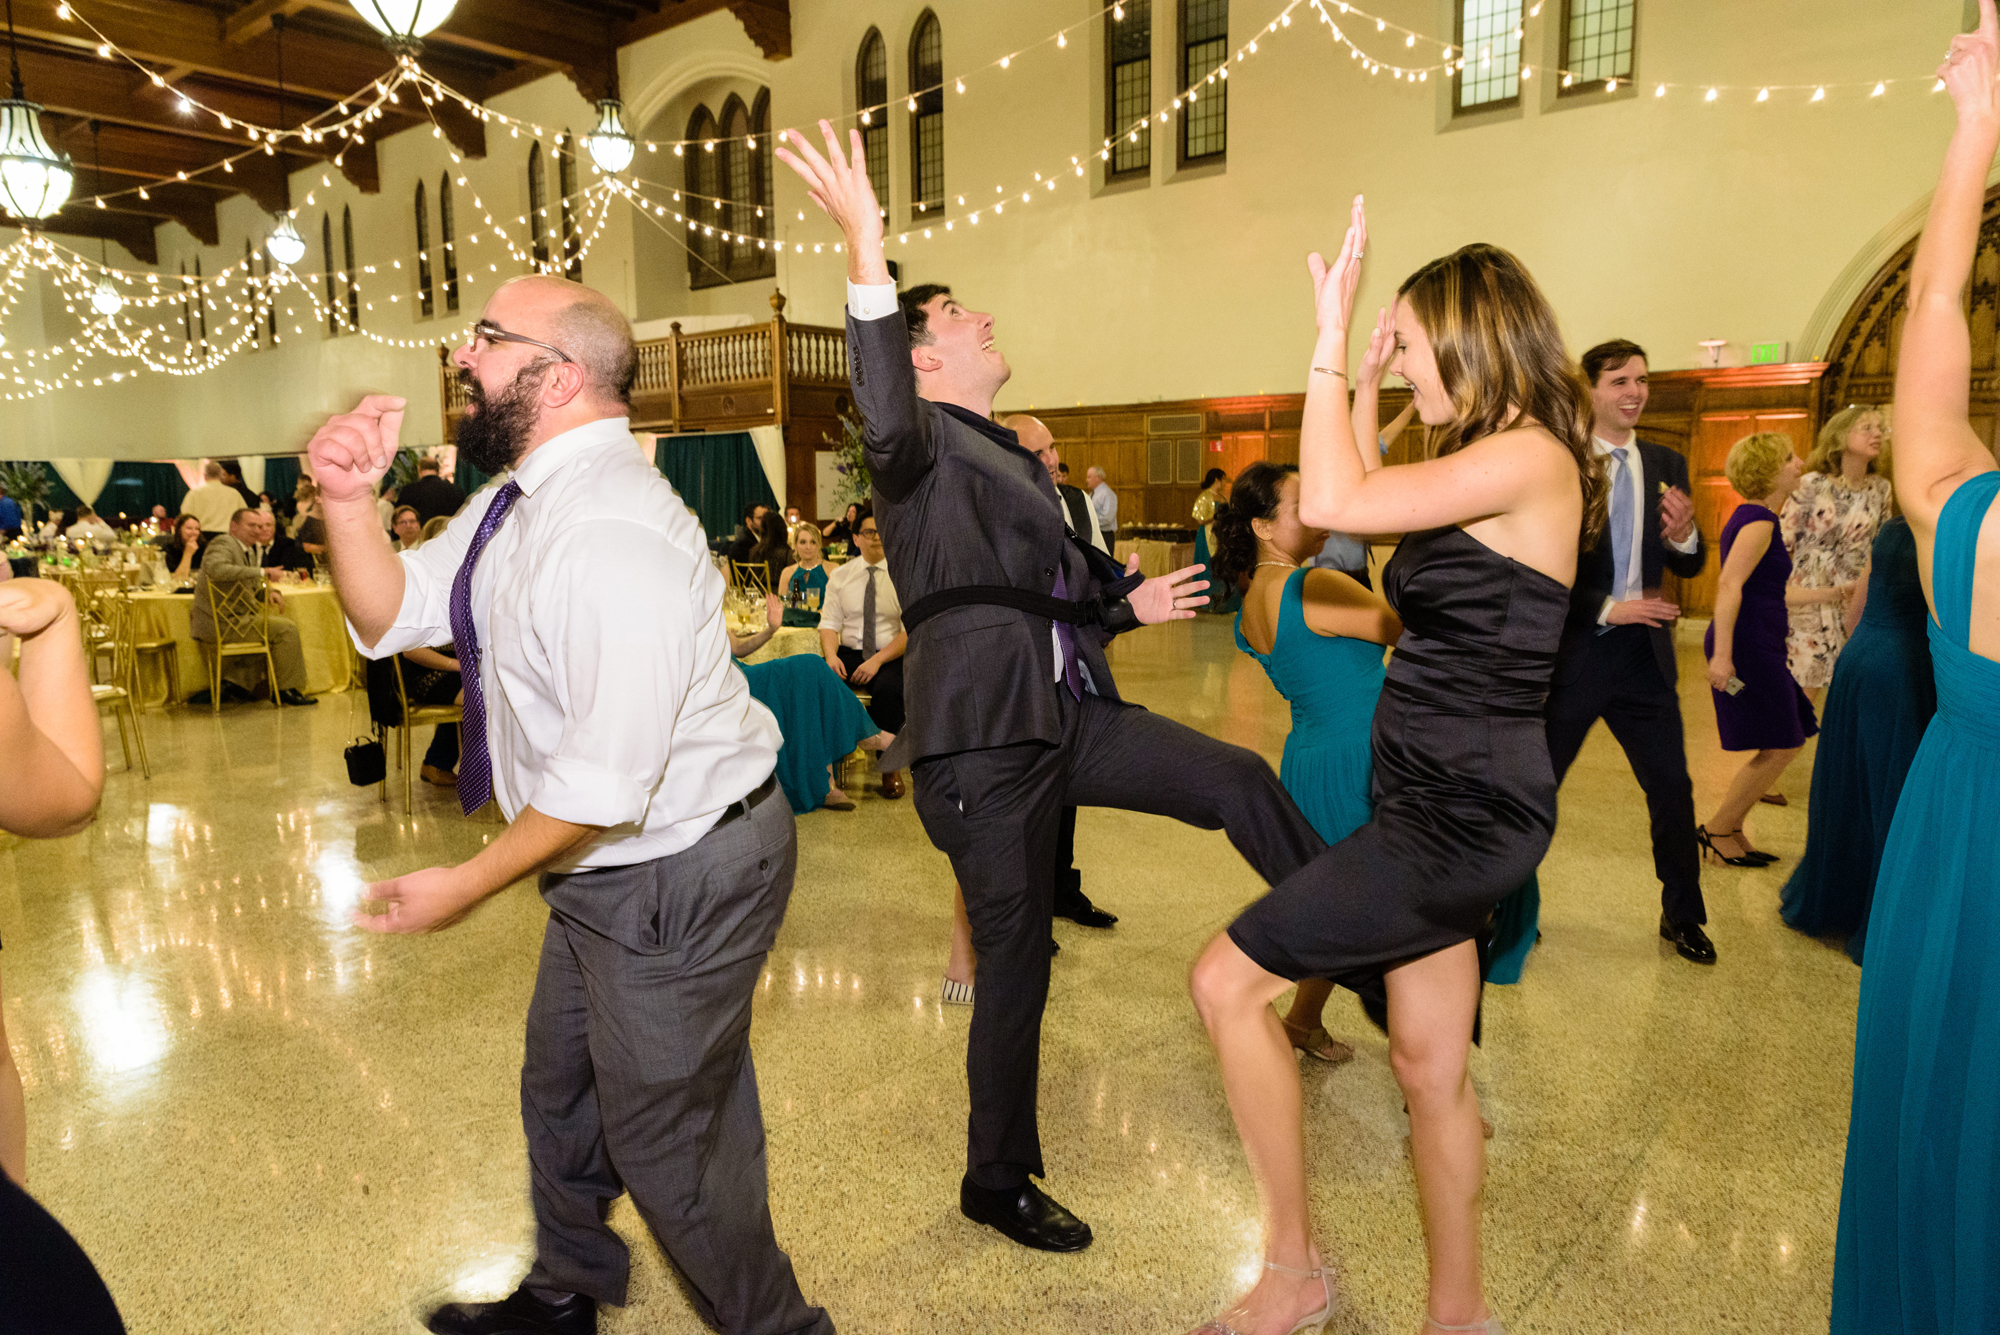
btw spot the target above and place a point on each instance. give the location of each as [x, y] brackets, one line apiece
[552, 455]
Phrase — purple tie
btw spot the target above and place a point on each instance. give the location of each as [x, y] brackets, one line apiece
[475, 766]
[1065, 637]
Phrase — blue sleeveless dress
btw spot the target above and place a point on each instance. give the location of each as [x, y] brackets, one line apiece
[819, 717]
[1332, 683]
[1918, 1249]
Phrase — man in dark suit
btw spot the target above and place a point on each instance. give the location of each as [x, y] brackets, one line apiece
[431, 495]
[1013, 713]
[1616, 661]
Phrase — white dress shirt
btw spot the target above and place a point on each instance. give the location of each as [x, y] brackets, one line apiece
[214, 504]
[610, 695]
[1635, 482]
[1105, 502]
[846, 588]
[93, 529]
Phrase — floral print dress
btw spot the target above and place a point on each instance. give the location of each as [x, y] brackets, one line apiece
[1829, 528]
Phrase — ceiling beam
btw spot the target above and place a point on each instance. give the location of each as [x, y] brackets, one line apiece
[768, 23]
[129, 230]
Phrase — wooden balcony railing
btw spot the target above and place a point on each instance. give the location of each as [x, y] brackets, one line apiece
[721, 379]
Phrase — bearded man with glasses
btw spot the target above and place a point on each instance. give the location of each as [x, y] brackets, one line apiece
[635, 772]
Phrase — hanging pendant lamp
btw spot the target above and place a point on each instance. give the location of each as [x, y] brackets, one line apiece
[104, 299]
[284, 245]
[403, 23]
[35, 180]
[611, 147]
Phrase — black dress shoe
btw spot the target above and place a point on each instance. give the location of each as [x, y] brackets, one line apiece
[296, 699]
[1076, 906]
[522, 1313]
[1688, 938]
[1027, 1214]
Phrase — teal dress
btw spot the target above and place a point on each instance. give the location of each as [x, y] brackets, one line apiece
[803, 595]
[818, 716]
[1332, 683]
[1918, 1249]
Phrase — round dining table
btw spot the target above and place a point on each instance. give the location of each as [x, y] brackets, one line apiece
[316, 611]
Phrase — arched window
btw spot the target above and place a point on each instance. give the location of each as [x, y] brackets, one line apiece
[927, 121]
[572, 243]
[738, 169]
[187, 308]
[764, 259]
[353, 277]
[871, 100]
[448, 235]
[271, 286]
[702, 178]
[425, 297]
[538, 207]
[251, 289]
[1128, 89]
[326, 255]
[200, 308]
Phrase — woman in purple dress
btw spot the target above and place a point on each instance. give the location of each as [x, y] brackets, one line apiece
[1758, 704]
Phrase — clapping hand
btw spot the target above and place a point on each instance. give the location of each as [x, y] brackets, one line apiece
[354, 450]
[1970, 68]
[1334, 285]
[1380, 352]
[1676, 515]
[1169, 597]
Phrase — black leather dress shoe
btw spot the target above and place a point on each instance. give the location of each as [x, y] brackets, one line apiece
[521, 1313]
[1027, 1214]
[1076, 906]
[1688, 938]
[296, 699]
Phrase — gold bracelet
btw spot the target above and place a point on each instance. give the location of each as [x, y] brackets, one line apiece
[1328, 370]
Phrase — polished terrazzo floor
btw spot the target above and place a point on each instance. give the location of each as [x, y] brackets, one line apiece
[257, 1119]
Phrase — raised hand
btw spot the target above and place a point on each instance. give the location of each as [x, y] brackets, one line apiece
[1971, 67]
[1676, 514]
[354, 450]
[1334, 285]
[1380, 352]
[1170, 597]
[838, 183]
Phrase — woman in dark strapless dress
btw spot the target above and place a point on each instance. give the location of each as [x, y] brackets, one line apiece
[1464, 795]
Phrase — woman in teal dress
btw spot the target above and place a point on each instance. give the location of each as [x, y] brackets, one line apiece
[1918, 1250]
[1321, 635]
[818, 717]
[802, 585]
[1880, 703]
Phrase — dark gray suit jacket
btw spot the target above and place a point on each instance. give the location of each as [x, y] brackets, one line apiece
[957, 507]
[1595, 570]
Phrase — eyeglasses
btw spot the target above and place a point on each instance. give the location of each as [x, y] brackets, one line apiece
[487, 331]
[871, 533]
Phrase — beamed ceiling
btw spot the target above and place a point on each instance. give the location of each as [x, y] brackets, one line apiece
[225, 56]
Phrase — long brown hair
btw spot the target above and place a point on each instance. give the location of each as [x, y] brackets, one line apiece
[1499, 351]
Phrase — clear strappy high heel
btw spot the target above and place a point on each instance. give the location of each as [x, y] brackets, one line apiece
[1314, 1323]
[1490, 1326]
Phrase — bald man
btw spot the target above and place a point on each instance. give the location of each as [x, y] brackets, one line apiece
[636, 774]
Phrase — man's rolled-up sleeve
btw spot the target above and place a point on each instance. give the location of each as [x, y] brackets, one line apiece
[424, 620]
[614, 607]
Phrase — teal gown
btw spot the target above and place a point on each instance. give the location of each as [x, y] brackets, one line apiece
[817, 715]
[1332, 683]
[1918, 1250]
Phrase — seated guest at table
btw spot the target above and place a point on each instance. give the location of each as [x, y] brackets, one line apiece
[214, 501]
[408, 526]
[842, 529]
[792, 519]
[820, 720]
[10, 515]
[431, 495]
[801, 586]
[229, 557]
[183, 547]
[861, 634]
[749, 532]
[430, 677]
[309, 525]
[89, 527]
[773, 550]
[276, 550]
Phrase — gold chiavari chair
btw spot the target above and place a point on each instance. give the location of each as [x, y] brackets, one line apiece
[414, 716]
[239, 608]
[752, 578]
[115, 615]
[91, 590]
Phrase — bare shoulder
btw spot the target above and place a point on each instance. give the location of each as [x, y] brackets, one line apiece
[1530, 447]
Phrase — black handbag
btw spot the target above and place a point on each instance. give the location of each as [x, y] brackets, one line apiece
[366, 762]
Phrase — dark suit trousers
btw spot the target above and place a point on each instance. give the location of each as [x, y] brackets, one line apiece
[885, 690]
[638, 1075]
[997, 815]
[1619, 681]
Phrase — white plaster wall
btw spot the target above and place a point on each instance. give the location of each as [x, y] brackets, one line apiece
[1668, 221]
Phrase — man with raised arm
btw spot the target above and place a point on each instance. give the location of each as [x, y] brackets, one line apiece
[1012, 710]
[636, 774]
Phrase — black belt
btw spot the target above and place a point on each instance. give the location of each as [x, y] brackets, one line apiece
[741, 807]
[1115, 585]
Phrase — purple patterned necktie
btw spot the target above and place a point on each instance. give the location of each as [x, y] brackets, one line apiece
[1066, 638]
[475, 766]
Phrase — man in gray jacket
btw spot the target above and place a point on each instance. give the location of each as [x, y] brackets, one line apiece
[231, 560]
[1012, 712]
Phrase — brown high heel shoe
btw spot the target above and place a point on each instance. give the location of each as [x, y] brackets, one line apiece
[1317, 1043]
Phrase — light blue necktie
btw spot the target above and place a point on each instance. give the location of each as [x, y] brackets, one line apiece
[1621, 523]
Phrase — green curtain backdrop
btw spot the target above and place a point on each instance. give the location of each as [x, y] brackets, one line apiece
[281, 477]
[468, 478]
[718, 475]
[60, 497]
[135, 488]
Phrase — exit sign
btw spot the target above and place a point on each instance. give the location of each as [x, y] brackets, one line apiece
[1767, 354]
